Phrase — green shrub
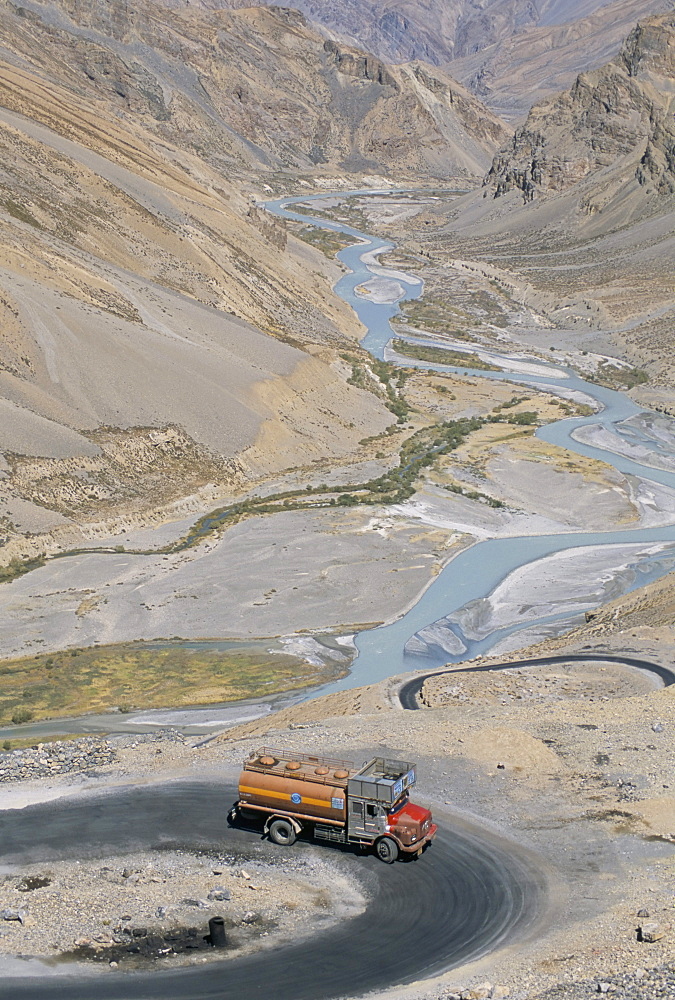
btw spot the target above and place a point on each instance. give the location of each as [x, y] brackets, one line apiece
[21, 715]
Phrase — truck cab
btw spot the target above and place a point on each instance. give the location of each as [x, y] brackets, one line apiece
[380, 810]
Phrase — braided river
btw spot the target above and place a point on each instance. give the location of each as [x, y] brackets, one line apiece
[434, 629]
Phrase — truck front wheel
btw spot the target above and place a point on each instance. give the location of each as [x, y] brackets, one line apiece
[282, 832]
[386, 850]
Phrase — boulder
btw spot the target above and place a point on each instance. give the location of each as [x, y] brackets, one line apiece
[650, 932]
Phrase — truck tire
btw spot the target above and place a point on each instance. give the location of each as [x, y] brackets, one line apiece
[282, 832]
[387, 850]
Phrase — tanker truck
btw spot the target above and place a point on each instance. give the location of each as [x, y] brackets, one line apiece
[333, 800]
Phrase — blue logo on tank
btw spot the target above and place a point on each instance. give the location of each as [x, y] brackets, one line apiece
[296, 798]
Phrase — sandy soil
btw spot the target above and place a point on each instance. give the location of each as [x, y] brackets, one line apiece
[290, 569]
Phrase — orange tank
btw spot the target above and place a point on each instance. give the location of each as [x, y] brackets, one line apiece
[304, 786]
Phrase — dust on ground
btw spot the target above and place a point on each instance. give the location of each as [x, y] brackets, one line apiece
[155, 906]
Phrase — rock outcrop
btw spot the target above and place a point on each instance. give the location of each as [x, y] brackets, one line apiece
[252, 89]
[617, 117]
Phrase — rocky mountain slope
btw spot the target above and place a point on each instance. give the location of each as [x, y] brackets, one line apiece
[576, 219]
[508, 52]
[256, 88]
[617, 119]
[537, 60]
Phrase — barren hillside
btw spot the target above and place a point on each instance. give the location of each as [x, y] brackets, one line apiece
[576, 214]
[255, 89]
[508, 52]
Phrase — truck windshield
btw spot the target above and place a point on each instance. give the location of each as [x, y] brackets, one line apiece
[398, 805]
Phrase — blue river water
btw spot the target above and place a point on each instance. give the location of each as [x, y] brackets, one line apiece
[476, 571]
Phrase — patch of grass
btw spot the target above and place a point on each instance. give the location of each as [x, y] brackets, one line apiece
[325, 240]
[17, 567]
[437, 315]
[33, 741]
[382, 379]
[618, 378]
[132, 676]
[473, 494]
[20, 212]
[527, 417]
[442, 356]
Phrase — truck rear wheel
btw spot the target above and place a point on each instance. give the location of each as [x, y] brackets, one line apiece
[282, 832]
[386, 850]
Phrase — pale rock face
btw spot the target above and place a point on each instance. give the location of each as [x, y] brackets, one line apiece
[613, 114]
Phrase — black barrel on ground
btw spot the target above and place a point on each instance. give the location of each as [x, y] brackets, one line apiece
[217, 936]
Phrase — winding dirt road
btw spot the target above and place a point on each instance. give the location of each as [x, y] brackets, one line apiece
[470, 893]
[409, 693]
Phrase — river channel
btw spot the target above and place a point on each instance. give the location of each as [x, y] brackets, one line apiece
[450, 621]
[428, 633]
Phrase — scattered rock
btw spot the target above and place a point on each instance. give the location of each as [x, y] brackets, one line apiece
[481, 992]
[220, 894]
[650, 932]
[71, 756]
[19, 915]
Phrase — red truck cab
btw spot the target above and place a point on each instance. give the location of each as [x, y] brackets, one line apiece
[411, 824]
